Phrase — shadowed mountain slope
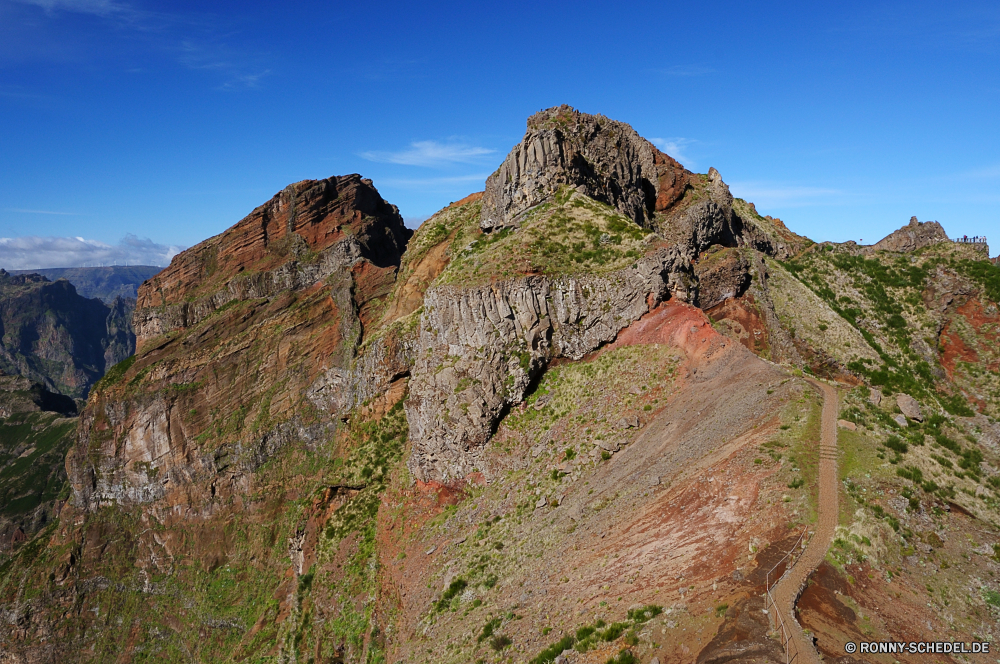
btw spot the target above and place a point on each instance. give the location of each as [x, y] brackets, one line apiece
[54, 336]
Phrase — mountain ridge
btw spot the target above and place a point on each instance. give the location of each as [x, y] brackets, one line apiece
[566, 418]
[104, 283]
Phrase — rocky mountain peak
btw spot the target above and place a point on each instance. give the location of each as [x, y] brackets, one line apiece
[599, 157]
[307, 231]
[913, 236]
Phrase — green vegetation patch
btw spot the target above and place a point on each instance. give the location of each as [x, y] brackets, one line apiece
[114, 374]
[33, 450]
[587, 636]
[568, 234]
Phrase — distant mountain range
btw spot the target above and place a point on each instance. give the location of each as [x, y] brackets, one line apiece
[104, 283]
[53, 335]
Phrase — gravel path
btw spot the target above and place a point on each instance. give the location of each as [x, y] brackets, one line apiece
[786, 591]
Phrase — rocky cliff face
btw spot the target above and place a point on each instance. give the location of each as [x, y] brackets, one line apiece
[54, 336]
[480, 349]
[308, 232]
[601, 158]
[570, 198]
[231, 337]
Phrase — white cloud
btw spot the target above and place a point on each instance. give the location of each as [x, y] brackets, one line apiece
[676, 148]
[244, 81]
[198, 43]
[765, 194]
[32, 252]
[96, 7]
[431, 153]
[685, 70]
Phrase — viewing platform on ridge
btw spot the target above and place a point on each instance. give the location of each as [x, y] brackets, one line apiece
[975, 239]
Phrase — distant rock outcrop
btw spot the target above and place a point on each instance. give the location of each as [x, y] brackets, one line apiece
[20, 395]
[36, 428]
[54, 336]
[911, 237]
[305, 233]
[105, 283]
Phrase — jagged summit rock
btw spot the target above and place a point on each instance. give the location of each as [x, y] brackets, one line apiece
[567, 151]
[599, 157]
[913, 236]
[308, 230]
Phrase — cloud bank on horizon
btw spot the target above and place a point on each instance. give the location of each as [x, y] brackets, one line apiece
[36, 253]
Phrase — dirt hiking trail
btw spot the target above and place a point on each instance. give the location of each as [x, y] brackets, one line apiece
[786, 591]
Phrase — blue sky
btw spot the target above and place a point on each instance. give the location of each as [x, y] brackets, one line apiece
[129, 129]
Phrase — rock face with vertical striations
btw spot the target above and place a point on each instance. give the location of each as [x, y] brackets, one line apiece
[481, 348]
[561, 209]
[601, 158]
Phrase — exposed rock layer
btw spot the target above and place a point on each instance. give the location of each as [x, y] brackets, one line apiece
[309, 231]
[480, 349]
[234, 334]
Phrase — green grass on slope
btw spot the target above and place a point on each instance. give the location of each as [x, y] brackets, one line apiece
[212, 593]
[887, 310]
[36, 474]
[569, 234]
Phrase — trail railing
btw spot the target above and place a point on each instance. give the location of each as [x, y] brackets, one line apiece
[787, 644]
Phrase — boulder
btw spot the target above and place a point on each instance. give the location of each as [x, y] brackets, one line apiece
[909, 406]
[845, 424]
[875, 397]
[722, 273]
